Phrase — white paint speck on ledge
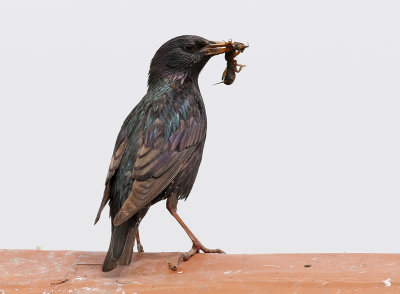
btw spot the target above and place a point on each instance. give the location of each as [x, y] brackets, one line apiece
[387, 283]
[90, 289]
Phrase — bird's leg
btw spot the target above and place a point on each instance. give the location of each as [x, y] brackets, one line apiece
[139, 245]
[197, 246]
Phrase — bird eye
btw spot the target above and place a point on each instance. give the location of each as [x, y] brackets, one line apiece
[189, 47]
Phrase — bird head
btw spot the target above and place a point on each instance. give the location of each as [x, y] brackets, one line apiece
[182, 58]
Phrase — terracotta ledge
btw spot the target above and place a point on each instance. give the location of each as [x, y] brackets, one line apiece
[35, 271]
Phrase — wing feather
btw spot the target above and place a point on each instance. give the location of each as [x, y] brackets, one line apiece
[144, 191]
[115, 161]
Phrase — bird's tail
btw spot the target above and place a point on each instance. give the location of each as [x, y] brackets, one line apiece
[121, 244]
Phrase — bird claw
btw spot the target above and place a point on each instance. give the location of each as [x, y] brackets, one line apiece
[172, 267]
[194, 250]
[140, 248]
[206, 250]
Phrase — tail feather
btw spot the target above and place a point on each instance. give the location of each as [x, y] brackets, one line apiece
[121, 245]
[122, 241]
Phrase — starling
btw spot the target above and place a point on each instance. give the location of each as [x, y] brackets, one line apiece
[159, 147]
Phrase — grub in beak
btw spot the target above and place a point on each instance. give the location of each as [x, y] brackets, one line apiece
[215, 48]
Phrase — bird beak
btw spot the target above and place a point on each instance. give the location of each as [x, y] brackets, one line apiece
[215, 48]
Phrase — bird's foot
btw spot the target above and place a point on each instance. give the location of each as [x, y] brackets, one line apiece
[194, 250]
[139, 248]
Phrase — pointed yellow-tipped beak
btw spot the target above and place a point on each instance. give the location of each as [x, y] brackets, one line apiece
[215, 48]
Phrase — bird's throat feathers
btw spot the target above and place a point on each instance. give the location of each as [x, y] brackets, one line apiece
[178, 78]
[160, 70]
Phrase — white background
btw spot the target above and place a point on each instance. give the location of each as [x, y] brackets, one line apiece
[302, 152]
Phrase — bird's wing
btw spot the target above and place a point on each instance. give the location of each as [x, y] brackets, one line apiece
[167, 143]
[115, 161]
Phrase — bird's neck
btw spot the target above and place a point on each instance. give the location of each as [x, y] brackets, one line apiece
[175, 78]
[177, 84]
